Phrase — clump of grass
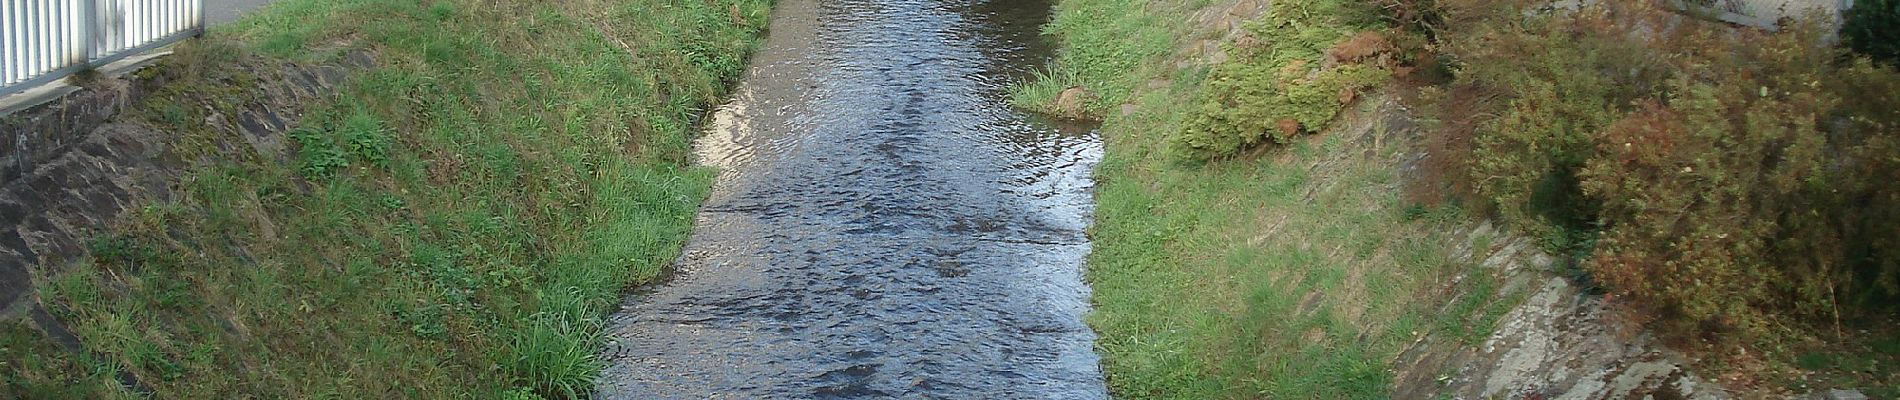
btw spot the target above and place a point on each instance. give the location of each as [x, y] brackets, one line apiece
[555, 351]
[451, 224]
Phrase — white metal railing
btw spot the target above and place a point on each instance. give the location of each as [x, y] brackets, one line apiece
[45, 40]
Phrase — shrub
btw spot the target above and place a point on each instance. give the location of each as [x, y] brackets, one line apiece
[1696, 210]
[1873, 28]
[1727, 189]
[1560, 80]
[1315, 59]
[1865, 151]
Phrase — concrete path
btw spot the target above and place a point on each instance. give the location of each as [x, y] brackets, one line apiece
[225, 11]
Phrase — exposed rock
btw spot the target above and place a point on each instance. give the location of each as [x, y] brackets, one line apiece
[39, 133]
[1838, 394]
[1072, 102]
[1225, 23]
[75, 167]
[1561, 342]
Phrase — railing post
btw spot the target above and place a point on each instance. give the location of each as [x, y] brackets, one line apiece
[45, 40]
[89, 28]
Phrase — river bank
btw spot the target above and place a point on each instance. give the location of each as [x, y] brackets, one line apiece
[453, 219]
[1261, 231]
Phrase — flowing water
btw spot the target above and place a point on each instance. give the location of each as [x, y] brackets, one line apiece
[885, 225]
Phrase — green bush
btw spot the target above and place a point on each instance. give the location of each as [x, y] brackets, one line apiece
[1286, 81]
[1873, 28]
[1561, 81]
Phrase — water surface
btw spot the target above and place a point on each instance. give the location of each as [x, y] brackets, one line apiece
[884, 224]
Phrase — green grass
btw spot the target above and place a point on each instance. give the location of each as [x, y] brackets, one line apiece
[1295, 274]
[1261, 278]
[39, 369]
[1106, 43]
[454, 224]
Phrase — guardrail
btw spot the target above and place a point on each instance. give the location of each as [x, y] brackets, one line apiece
[45, 40]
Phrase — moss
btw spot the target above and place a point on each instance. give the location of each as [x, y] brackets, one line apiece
[1247, 104]
[1281, 85]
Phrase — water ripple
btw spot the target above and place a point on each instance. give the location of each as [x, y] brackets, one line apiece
[884, 224]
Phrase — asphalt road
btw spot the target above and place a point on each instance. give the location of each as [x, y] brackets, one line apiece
[223, 11]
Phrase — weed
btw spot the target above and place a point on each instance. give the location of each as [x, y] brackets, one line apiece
[555, 352]
[320, 157]
[366, 139]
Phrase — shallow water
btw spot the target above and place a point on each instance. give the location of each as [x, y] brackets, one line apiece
[884, 224]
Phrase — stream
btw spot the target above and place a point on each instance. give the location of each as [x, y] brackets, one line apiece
[884, 224]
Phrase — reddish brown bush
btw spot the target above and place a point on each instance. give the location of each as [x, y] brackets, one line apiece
[1361, 47]
[1725, 181]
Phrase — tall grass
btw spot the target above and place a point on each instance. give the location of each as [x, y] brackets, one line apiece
[452, 224]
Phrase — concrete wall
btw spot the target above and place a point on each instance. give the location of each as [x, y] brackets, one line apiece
[1765, 14]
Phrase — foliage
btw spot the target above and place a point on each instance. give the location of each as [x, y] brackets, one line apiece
[1561, 81]
[1674, 179]
[1302, 63]
[1872, 27]
[1785, 214]
[1736, 189]
[1312, 311]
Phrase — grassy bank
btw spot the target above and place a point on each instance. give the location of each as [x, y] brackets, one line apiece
[1249, 244]
[1295, 273]
[1298, 275]
[453, 224]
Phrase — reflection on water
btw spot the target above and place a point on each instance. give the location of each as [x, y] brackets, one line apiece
[884, 224]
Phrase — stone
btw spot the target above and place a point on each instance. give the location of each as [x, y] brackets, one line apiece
[1838, 394]
[1071, 102]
